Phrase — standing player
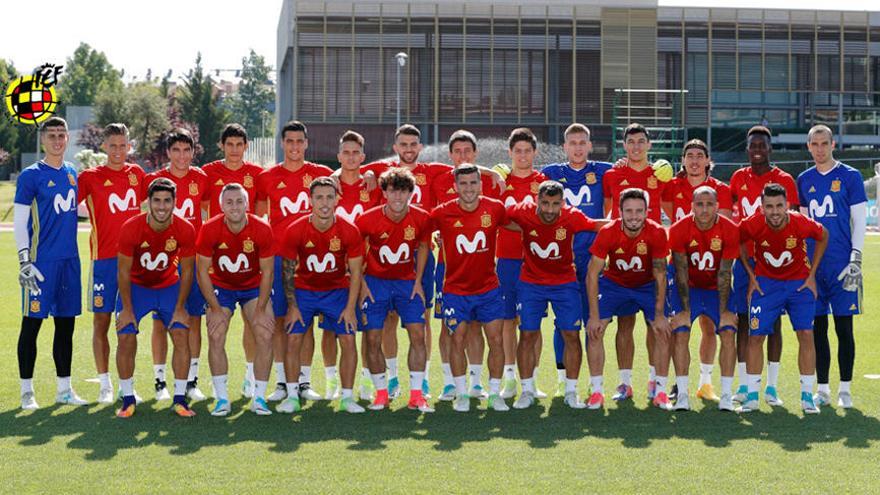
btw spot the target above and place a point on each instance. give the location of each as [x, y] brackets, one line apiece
[283, 193]
[49, 272]
[836, 197]
[548, 278]
[629, 244]
[637, 173]
[678, 198]
[233, 169]
[113, 193]
[395, 233]
[192, 189]
[522, 187]
[582, 180]
[320, 250]
[784, 278]
[469, 226]
[746, 186]
[152, 246]
[704, 245]
[234, 260]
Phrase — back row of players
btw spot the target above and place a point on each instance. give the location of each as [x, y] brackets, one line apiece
[368, 227]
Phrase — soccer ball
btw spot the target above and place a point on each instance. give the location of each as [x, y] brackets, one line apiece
[502, 169]
[663, 170]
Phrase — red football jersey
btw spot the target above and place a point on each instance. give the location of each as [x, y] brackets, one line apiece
[443, 187]
[680, 193]
[746, 188]
[781, 254]
[235, 258]
[287, 193]
[156, 255]
[616, 180]
[392, 245]
[704, 249]
[630, 259]
[112, 198]
[425, 174]
[322, 256]
[549, 256]
[354, 199]
[192, 189]
[469, 244]
[519, 189]
[219, 175]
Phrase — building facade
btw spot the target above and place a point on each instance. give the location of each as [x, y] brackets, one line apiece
[493, 65]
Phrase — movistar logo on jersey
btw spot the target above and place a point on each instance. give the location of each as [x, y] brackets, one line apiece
[289, 207]
[241, 263]
[582, 197]
[417, 195]
[784, 259]
[386, 255]
[118, 204]
[470, 246]
[352, 215]
[634, 264]
[98, 287]
[551, 251]
[186, 210]
[749, 208]
[159, 263]
[320, 266]
[679, 213]
[511, 201]
[703, 262]
[64, 204]
[819, 210]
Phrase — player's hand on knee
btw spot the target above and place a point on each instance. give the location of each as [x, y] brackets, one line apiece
[293, 316]
[418, 291]
[348, 317]
[681, 319]
[810, 283]
[123, 319]
[661, 326]
[180, 319]
[594, 328]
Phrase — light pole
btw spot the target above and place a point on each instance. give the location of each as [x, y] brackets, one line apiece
[401, 63]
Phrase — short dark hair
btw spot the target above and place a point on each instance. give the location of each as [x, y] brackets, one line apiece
[773, 189]
[322, 182]
[53, 121]
[636, 128]
[115, 129]
[760, 130]
[161, 184]
[633, 193]
[464, 136]
[233, 130]
[294, 126]
[522, 134]
[235, 186]
[695, 144]
[464, 169]
[179, 135]
[350, 136]
[408, 130]
[576, 129]
[398, 178]
[550, 188]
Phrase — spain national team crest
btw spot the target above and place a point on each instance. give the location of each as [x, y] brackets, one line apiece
[835, 185]
[307, 180]
[98, 301]
[365, 196]
[247, 246]
[715, 244]
[409, 233]
[421, 179]
[31, 99]
[71, 179]
[590, 178]
[485, 220]
[35, 306]
[335, 244]
[248, 181]
[171, 244]
[193, 189]
[791, 243]
[561, 234]
[132, 180]
[754, 323]
[534, 188]
[641, 248]
[652, 183]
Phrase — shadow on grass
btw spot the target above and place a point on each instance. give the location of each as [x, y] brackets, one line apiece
[97, 432]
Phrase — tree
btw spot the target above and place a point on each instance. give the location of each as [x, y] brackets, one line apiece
[87, 74]
[255, 101]
[9, 135]
[202, 105]
[140, 106]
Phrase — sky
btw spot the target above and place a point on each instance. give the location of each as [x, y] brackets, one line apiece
[165, 34]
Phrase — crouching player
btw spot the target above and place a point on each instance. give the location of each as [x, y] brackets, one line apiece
[151, 247]
[235, 263]
[704, 245]
[318, 252]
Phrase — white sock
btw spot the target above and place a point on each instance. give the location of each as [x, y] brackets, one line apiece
[305, 374]
[260, 389]
[844, 387]
[494, 386]
[127, 387]
[460, 384]
[379, 381]
[193, 369]
[159, 372]
[807, 383]
[346, 393]
[249, 373]
[560, 375]
[280, 376]
[104, 378]
[824, 387]
[772, 373]
[179, 387]
[427, 368]
[415, 380]
[27, 385]
[329, 372]
[652, 373]
[705, 374]
[742, 374]
[475, 374]
[754, 383]
[682, 383]
[292, 389]
[726, 385]
[510, 372]
[661, 384]
[571, 385]
[391, 364]
[535, 376]
[365, 372]
[63, 383]
[447, 374]
[220, 392]
[528, 385]
[596, 384]
[626, 377]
